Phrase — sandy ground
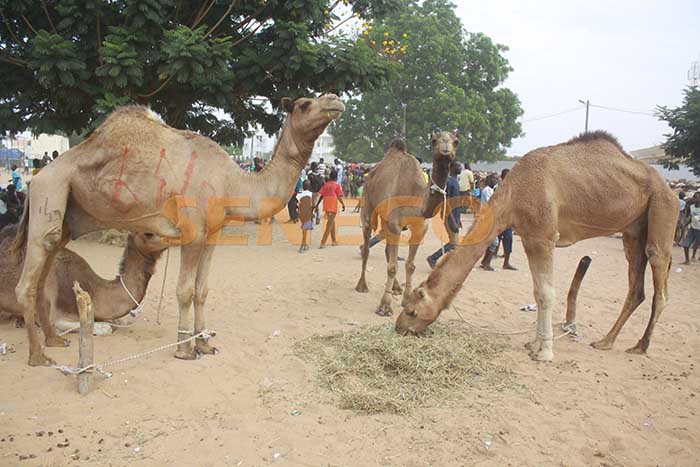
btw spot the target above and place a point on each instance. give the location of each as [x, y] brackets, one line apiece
[586, 408]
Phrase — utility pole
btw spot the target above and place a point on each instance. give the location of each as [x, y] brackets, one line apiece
[587, 104]
[403, 131]
[694, 73]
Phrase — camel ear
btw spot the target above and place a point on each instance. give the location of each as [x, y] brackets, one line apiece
[456, 133]
[287, 104]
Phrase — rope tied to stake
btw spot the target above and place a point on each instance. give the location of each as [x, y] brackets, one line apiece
[139, 305]
[100, 367]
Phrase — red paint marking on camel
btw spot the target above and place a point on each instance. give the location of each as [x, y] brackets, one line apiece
[119, 183]
[188, 174]
[162, 158]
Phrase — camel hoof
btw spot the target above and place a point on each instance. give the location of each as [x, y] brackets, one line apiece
[40, 360]
[636, 350]
[542, 356]
[386, 312]
[602, 345]
[205, 349]
[361, 287]
[186, 354]
[56, 341]
[532, 345]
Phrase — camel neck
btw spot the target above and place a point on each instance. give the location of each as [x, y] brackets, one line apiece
[135, 274]
[447, 278]
[439, 175]
[265, 193]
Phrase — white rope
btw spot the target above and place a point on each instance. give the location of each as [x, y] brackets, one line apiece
[162, 286]
[100, 367]
[139, 305]
[569, 329]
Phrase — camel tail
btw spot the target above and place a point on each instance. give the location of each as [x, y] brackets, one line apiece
[19, 244]
[573, 290]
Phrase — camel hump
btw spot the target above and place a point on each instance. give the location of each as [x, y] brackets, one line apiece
[133, 111]
[398, 144]
[593, 136]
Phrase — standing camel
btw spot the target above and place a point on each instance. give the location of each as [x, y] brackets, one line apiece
[111, 299]
[554, 197]
[396, 194]
[137, 174]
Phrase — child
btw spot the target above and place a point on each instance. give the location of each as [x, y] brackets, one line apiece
[305, 214]
[331, 194]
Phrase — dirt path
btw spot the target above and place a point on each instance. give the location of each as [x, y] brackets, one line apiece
[586, 408]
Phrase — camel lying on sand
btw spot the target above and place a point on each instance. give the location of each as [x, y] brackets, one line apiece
[554, 197]
[111, 299]
[396, 193]
[137, 174]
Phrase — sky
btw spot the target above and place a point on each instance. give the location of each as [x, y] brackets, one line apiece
[625, 54]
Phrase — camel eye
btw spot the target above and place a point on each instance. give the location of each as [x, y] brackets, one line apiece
[148, 235]
[305, 106]
[411, 313]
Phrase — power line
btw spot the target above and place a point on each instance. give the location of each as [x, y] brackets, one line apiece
[542, 117]
[615, 109]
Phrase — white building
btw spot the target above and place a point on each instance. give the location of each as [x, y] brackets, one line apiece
[261, 145]
[36, 146]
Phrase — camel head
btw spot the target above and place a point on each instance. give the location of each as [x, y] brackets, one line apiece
[444, 144]
[150, 245]
[309, 117]
[419, 311]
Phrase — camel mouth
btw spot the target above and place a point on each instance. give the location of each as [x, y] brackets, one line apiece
[336, 110]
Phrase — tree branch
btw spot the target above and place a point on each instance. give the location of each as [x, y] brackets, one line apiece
[253, 31]
[339, 24]
[29, 25]
[9, 29]
[159, 89]
[202, 14]
[13, 60]
[43, 5]
[228, 11]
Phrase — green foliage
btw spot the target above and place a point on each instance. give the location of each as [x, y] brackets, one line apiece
[683, 145]
[446, 78]
[65, 64]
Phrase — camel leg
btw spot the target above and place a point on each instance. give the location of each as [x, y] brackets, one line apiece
[189, 261]
[634, 242]
[396, 288]
[362, 283]
[51, 339]
[540, 256]
[45, 235]
[392, 251]
[414, 243]
[660, 261]
[201, 290]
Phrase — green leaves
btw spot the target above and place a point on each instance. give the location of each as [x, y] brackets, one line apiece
[683, 144]
[56, 61]
[447, 79]
[188, 60]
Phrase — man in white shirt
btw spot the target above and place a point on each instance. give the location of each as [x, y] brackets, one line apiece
[466, 183]
[693, 235]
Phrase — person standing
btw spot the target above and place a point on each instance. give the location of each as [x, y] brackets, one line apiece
[678, 236]
[321, 168]
[506, 237]
[306, 215]
[331, 194]
[454, 221]
[16, 178]
[466, 183]
[293, 204]
[486, 194]
[693, 235]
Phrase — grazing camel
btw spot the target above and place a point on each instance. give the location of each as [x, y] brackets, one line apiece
[396, 193]
[554, 197]
[111, 299]
[137, 174]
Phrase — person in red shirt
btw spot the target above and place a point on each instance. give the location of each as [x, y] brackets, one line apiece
[331, 194]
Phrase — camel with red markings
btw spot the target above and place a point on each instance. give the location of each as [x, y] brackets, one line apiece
[137, 174]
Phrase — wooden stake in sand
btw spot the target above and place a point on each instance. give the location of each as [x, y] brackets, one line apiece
[86, 348]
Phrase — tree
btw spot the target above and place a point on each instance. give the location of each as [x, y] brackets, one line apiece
[447, 79]
[65, 64]
[683, 145]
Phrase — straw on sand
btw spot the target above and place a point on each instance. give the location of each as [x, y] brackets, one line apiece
[374, 370]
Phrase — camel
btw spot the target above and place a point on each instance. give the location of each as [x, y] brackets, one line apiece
[396, 193]
[111, 299]
[554, 197]
[137, 174]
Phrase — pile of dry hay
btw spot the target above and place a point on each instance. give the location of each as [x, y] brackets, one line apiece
[374, 370]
